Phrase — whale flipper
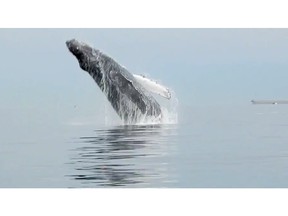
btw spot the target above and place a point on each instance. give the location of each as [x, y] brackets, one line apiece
[153, 86]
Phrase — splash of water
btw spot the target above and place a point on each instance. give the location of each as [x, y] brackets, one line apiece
[169, 109]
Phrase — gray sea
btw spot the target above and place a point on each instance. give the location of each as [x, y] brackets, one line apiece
[223, 146]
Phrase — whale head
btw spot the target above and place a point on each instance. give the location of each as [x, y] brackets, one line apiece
[83, 52]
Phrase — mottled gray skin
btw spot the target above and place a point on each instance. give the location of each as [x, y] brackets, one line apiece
[128, 98]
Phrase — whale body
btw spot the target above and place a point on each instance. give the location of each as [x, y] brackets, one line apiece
[132, 102]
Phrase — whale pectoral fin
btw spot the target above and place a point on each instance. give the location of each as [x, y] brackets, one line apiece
[153, 86]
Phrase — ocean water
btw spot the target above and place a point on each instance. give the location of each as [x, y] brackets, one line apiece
[221, 146]
[58, 130]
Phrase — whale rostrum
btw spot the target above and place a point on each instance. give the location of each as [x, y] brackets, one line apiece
[129, 98]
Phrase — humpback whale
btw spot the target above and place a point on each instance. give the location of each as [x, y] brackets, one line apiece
[129, 98]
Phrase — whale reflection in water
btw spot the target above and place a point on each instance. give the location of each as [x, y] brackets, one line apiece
[125, 156]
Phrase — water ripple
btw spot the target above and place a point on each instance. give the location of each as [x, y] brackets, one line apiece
[123, 156]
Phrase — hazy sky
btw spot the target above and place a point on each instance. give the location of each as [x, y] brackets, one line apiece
[203, 66]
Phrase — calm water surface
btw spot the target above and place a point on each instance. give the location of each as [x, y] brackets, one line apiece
[210, 147]
[124, 156]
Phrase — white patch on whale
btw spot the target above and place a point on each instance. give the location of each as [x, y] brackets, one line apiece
[153, 86]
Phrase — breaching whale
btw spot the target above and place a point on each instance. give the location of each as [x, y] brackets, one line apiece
[126, 92]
